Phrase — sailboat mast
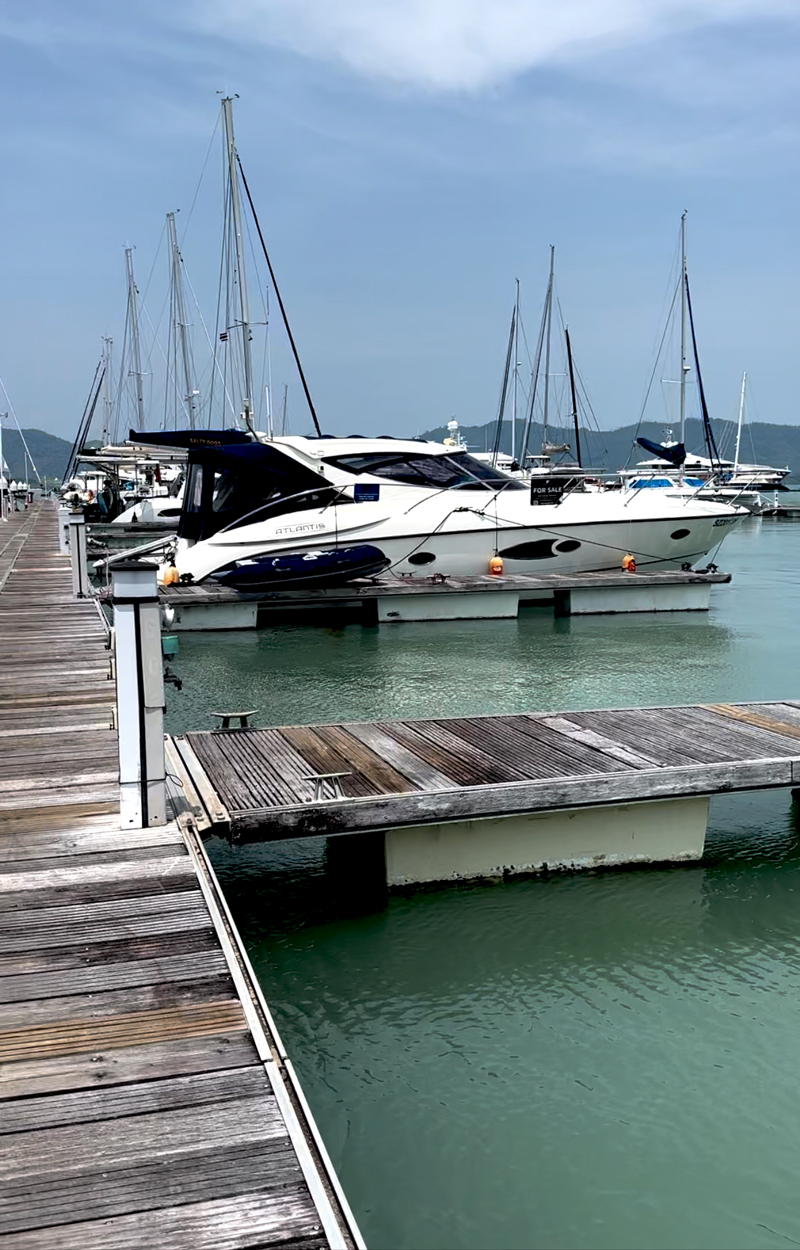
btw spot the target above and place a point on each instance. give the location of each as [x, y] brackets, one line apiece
[547, 350]
[241, 279]
[179, 321]
[106, 435]
[133, 326]
[516, 379]
[684, 366]
[501, 411]
[739, 426]
[574, 399]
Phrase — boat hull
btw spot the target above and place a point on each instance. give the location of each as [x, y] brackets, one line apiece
[549, 543]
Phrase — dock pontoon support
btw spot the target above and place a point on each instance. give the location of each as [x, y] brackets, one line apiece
[77, 551]
[140, 695]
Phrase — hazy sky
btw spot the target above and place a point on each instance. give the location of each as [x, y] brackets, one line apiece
[409, 159]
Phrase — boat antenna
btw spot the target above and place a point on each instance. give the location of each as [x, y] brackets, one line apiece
[504, 390]
[574, 398]
[133, 324]
[547, 348]
[295, 352]
[711, 442]
[241, 278]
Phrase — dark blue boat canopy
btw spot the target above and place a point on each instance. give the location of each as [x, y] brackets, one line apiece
[673, 455]
[263, 458]
[240, 483]
[188, 438]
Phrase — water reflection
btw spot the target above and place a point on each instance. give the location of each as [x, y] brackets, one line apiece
[602, 1060]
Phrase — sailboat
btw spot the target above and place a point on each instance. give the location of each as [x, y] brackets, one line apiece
[712, 476]
[522, 462]
[274, 511]
[116, 481]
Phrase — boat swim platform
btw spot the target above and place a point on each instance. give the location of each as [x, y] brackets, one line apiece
[145, 1096]
[395, 600]
[487, 796]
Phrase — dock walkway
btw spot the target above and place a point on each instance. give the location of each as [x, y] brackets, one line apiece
[145, 1098]
[416, 772]
[395, 599]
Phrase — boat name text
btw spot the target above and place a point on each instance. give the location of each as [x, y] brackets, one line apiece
[300, 529]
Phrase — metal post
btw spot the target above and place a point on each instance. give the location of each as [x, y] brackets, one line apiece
[4, 481]
[140, 695]
[63, 529]
[77, 551]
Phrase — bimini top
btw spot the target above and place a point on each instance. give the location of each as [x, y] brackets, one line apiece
[229, 483]
[189, 438]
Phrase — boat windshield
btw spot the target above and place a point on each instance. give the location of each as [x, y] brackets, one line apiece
[238, 485]
[459, 471]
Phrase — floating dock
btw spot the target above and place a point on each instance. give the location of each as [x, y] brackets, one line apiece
[395, 600]
[113, 536]
[487, 796]
[145, 1097]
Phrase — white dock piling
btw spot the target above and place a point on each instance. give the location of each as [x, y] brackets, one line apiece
[77, 551]
[140, 695]
[63, 529]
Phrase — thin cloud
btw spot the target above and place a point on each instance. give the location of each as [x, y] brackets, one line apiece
[467, 45]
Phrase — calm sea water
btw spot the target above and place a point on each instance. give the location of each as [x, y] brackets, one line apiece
[599, 1060]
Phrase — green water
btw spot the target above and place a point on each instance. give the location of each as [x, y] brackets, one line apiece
[599, 1060]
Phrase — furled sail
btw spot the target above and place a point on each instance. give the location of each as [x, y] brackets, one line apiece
[189, 438]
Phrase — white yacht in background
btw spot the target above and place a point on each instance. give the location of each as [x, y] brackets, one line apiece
[269, 512]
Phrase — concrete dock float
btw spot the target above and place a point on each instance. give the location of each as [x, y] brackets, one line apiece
[487, 796]
[145, 1096]
[385, 601]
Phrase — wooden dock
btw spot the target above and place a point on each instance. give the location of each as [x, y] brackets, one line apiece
[145, 1097]
[401, 773]
[387, 600]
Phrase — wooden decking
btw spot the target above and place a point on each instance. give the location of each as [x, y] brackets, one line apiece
[145, 1098]
[425, 771]
[363, 593]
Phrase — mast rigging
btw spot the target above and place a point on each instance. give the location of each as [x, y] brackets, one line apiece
[133, 328]
[295, 352]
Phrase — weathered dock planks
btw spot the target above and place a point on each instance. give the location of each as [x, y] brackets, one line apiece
[145, 1098]
[381, 587]
[425, 771]
[389, 599]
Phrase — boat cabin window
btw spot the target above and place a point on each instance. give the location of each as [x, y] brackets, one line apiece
[459, 471]
[241, 494]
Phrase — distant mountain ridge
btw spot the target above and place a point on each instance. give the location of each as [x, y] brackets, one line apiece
[49, 453]
[762, 442]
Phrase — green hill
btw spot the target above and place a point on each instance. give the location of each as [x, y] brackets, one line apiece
[762, 442]
[777, 445]
[49, 454]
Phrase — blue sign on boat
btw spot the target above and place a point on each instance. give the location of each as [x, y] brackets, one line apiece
[367, 492]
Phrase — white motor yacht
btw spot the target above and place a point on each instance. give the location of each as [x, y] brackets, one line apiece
[284, 510]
